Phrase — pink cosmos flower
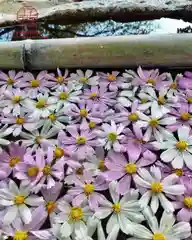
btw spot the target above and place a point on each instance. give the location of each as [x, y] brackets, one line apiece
[185, 203]
[183, 117]
[134, 143]
[9, 160]
[100, 96]
[185, 98]
[59, 79]
[86, 189]
[7, 81]
[12, 101]
[185, 82]
[34, 85]
[81, 141]
[18, 123]
[151, 78]
[121, 168]
[41, 171]
[112, 80]
[84, 111]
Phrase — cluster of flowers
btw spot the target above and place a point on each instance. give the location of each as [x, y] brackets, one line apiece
[94, 156]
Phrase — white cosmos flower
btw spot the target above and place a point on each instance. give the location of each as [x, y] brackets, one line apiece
[124, 212]
[4, 131]
[177, 151]
[110, 136]
[72, 218]
[39, 139]
[155, 124]
[81, 79]
[156, 188]
[165, 230]
[65, 95]
[15, 201]
[40, 108]
[148, 96]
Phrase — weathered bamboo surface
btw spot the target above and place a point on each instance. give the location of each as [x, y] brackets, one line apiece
[167, 50]
[100, 10]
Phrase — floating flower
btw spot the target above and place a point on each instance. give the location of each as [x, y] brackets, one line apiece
[4, 131]
[125, 212]
[177, 151]
[60, 79]
[8, 81]
[157, 188]
[15, 201]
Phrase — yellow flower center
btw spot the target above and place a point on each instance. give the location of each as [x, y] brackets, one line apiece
[189, 100]
[47, 170]
[181, 145]
[32, 171]
[52, 117]
[41, 103]
[179, 172]
[130, 168]
[185, 116]
[19, 200]
[14, 160]
[116, 207]
[16, 99]
[112, 136]
[93, 95]
[111, 77]
[63, 95]
[156, 187]
[20, 235]
[173, 85]
[144, 100]
[102, 166]
[92, 125]
[83, 113]
[151, 81]
[38, 139]
[89, 188]
[59, 152]
[60, 79]
[159, 236]
[153, 123]
[50, 206]
[10, 81]
[133, 117]
[35, 83]
[81, 140]
[83, 80]
[188, 202]
[20, 121]
[76, 214]
[161, 100]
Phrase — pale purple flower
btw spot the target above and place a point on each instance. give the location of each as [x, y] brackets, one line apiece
[9, 160]
[12, 101]
[81, 79]
[184, 203]
[60, 79]
[18, 123]
[87, 189]
[33, 85]
[155, 188]
[112, 80]
[172, 84]
[100, 96]
[10, 80]
[155, 124]
[110, 136]
[41, 172]
[15, 201]
[4, 131]
[81, 141]
[120, 168]
[89, 112]
[65, 95]
[185, 98]
[149, 77]
[185, 82]
[183, 117]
